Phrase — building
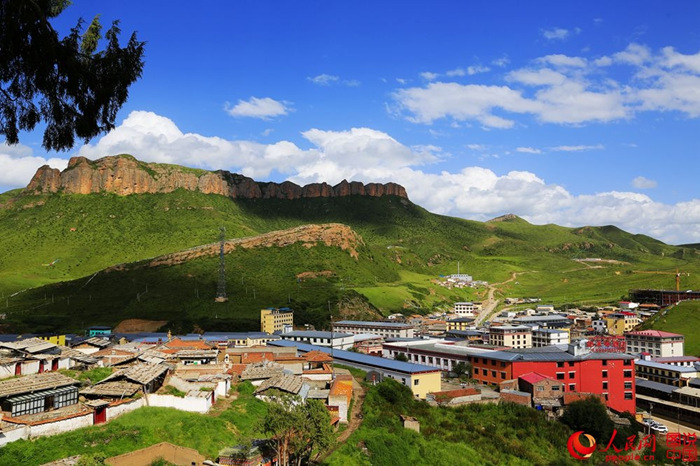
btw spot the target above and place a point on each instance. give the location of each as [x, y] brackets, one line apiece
[668, 374]
[657, 343]
[619, 323]
[276, 320]
[37, 393]
[440, 354]
[99, 331]
[581, 370]
[662, 298]
[385, 329]
[548, 337]
[467, 309]
[337, 340]
[421, 379]
[460, 323]
[512, 336]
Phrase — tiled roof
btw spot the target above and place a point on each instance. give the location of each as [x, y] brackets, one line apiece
[112, 389]
[141, 373]
[34, 383]
[534, 377]
[260, 372]
[317, 356]
[284, 382]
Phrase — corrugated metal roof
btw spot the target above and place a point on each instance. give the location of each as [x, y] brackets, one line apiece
[359, 358]
[112, 389]
[363, 323]
[666, 367]
[284, 382]
[658, 386]
[315, 334]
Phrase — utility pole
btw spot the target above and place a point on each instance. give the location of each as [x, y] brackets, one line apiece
[332, 367]
[221, 289]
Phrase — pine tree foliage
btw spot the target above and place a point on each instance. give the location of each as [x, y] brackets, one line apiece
[68, 83]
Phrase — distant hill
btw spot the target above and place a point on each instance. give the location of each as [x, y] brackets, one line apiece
[60, 252]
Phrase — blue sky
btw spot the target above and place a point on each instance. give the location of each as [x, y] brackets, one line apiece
[574, 113]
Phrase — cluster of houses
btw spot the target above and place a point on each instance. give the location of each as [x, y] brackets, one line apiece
[539, 357]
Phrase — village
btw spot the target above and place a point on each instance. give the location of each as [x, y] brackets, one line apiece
[537, 356]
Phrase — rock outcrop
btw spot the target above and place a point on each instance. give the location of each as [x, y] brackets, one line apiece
[124, 175]
[329, 234]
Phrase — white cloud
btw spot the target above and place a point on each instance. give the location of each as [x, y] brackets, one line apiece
[501, 62]
[18, 164]
[641, 182]
[456, 72]
[368, 155]
[577, 148]
[476, 146]
[555, 33]
[634, 54]
[254, 107]
[428, 76]
[528, 150]
[328, 80]
[564, 60]
[324, 79]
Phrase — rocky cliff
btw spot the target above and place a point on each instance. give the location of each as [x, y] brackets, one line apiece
[124, 175]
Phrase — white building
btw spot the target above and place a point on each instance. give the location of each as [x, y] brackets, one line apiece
[385, 329]
[341, 341]
[599, 326]
[655, 342]
[467, 309]
[548, 337]
[512, 336]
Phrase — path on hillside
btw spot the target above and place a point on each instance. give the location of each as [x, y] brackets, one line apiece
[491, 304]
[358, 394]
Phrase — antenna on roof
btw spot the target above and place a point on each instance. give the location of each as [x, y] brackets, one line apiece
[221, 289]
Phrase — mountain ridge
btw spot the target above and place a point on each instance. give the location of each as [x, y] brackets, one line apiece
[125, 175]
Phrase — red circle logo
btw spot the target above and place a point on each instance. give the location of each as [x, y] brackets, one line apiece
[577, 449]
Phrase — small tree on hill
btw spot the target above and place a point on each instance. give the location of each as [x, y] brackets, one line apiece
[401, 357]
[590, 416]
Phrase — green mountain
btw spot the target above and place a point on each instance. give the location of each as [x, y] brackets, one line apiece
[60, 251]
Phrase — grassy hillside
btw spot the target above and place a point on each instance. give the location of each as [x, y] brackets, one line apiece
[683, 318]
[51, 245]
[487, 434]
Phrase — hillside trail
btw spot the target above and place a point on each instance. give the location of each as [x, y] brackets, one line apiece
[358, 393]
[491, 304]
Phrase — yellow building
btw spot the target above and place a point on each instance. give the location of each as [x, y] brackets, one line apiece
[274, 320]
[55, 339]
[620, 322]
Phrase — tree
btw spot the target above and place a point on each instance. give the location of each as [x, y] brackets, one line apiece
[590, 416]
[67, 83]
[462, 369]
[401, 357]
[297, 429]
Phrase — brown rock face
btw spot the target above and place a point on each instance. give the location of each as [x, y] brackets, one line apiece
[124, 175]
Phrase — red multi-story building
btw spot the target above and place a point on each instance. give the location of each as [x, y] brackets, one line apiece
[578, 368]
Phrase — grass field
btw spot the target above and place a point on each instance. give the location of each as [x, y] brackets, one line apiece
[52, 245]
[144, 427]
[683, 318]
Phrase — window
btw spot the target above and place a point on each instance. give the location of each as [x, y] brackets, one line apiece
[605, 362]
[560, 364]
[555, 388]
[560, 376]
[415, 382]
[627, 362]
[605, 385]
[540, 389]
[572, 375]
[628, 395]
[493, 374]
[503, 375]
[627, 373]
[605, 374]
[628, 385]
[572, 387]
[503, 364]
[476, 371]
[571, 364]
